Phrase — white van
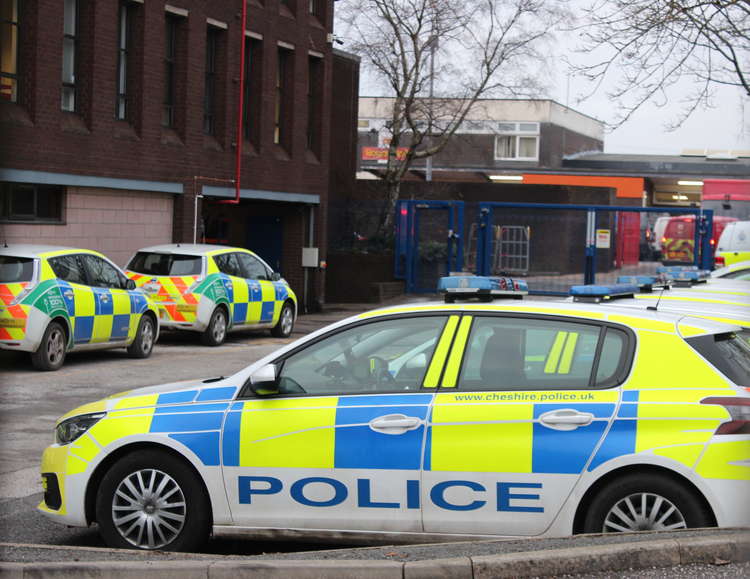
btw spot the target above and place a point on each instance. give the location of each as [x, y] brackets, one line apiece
[734, 244]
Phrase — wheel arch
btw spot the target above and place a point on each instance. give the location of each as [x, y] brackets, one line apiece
[65, 323]
[101, 469]
[639, 469]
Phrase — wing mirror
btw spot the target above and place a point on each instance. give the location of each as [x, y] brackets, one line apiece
[130, 284]
[275, 276]
[263, 381]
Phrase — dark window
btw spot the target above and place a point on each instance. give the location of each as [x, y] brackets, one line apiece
[166, 264]
[209, 97]
[68, 268]
[228, 264]
[124, 42]
[729, 353]
[505, 353]
[252, 268]
[283, 104]
[30, 202]
[16, 269]
[390, 355]
[314, 103]
[70, 55]
[101, 273]
[253, 88]
[170, 58]
[9, 50]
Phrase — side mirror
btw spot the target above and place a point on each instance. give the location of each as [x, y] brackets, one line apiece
[275, 276]
[130, 284]
[263, 381]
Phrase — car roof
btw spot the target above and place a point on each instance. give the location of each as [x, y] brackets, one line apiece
[642, 318]
[189, 248]
[717, 273]
[32, 250]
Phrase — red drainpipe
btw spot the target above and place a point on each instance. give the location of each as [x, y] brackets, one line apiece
[240, 106]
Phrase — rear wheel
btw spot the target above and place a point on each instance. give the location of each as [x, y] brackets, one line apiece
[648, 502]
[285, 325]
[152, 500]
[144, 339]
[216, 332]
[50, 354]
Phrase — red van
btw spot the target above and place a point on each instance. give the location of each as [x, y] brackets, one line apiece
[679, 234]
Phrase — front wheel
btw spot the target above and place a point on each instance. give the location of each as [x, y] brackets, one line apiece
[143, 343]
[285, 325]
[50, 354]
[648, 502]
[216, 332]
[152, 500]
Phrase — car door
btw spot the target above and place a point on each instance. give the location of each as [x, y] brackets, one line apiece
[78, 296]
[339, 444]
[264, 297]
[522, 406]
[236, 288]
[112, 319]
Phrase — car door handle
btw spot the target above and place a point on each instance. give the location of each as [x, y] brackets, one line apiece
[394, 423]
[565, 419]
[68, 294]
[104, 297]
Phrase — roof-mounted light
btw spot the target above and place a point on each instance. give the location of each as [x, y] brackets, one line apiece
[646, 283]
[483, 287]
[602, 293]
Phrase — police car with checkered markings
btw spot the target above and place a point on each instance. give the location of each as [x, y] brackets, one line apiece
[213, 289]
[490, 419]
[54, 300]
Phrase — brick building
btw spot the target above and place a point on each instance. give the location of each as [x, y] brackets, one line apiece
[119, 123]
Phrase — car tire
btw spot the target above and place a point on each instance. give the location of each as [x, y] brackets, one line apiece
[216, 332]
[50, 354]
[152, 491]
[645, 502]
[143, 343]
[285, 325]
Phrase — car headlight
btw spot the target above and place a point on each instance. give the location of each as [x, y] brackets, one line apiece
[68, 430]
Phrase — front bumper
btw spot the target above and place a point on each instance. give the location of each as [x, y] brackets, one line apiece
[64, 493]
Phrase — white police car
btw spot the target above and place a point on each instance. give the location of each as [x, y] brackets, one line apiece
[506, 419]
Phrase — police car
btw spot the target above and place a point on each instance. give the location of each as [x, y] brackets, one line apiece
[54, 300]
[520, 419]
[213, 289]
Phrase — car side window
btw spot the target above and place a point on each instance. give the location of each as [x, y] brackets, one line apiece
[252, 268]
[505, 353]
[102, 273]
[68, 268]
[228, 264]
[384, 356]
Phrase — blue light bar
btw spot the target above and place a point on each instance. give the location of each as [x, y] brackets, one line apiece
[675, 268]
[483, 287]
[601, 293]
[645, 283]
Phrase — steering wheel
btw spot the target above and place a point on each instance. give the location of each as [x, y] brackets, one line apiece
[377, 370]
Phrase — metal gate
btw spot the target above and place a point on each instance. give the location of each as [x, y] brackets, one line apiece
[428, 242]
[511, 253]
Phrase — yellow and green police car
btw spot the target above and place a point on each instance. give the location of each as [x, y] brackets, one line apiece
[55, 299]
[520, 419]
[213, 289]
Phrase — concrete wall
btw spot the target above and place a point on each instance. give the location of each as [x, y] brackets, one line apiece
[117, 223]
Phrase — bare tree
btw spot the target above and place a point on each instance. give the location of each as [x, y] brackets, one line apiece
[646, 47]
[437, 58]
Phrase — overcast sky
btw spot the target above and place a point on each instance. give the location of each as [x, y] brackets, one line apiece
[724, 126]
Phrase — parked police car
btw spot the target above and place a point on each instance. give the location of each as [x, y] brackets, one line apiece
[57, 299]
[213, 289]
[510, 419]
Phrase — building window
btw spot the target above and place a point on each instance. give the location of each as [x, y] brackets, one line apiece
[9, 47]
[283, 105]
[124, 42]
[170, 57]
[70, 55]
[209, 96]
[517, 141]
[30, 202]
[315, 8]
[253, 88]
[314, 103]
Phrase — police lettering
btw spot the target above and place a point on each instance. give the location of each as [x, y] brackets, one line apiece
[510, 496]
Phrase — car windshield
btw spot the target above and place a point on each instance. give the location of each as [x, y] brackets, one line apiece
[729, 352]
[165, 264]
[16, 269]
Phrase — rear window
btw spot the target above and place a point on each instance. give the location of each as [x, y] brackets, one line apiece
[729, 353]
[16, 269]
[165, 264]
